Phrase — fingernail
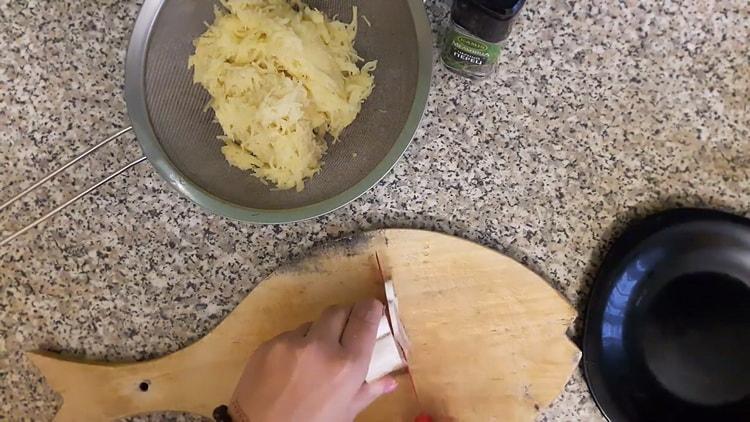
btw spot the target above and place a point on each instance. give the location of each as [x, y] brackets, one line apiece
[391, 386]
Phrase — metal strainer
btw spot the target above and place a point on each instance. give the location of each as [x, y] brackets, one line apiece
[179, 138]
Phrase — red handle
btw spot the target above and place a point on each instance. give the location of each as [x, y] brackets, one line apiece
[423, 418]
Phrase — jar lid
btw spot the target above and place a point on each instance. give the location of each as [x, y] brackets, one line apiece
[490, 20]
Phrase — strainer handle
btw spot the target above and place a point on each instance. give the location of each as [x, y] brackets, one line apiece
[78, 196]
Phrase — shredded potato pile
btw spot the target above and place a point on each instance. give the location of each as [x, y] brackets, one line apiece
[281, 76]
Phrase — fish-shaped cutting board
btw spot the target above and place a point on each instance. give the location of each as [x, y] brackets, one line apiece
[486, 336]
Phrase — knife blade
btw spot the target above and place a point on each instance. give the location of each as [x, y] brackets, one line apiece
[399, 333]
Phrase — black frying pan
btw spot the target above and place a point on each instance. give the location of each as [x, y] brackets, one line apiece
[667, 334]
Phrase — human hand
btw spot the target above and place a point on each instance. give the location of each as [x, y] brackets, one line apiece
[315, 373]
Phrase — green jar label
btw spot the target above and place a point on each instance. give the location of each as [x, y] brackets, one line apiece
[461, 50]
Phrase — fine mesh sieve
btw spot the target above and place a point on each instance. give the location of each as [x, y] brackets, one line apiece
[179, 138]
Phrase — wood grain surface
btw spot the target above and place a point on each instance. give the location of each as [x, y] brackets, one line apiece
[487, 336]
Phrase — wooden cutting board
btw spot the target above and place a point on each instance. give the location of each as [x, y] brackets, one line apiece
[487, 336]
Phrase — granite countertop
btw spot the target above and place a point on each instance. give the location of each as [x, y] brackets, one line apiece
[602, 111]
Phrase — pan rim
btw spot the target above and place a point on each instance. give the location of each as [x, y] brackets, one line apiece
[137, 111]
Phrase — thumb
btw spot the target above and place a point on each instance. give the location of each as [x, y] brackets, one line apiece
[370, 391]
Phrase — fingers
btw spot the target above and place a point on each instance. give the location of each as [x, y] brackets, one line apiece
[296, 334]
[302, 330]
[361, 329]
[330, 325]
[369, 392]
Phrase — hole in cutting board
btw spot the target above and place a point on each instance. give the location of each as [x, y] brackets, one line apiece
[143, 386]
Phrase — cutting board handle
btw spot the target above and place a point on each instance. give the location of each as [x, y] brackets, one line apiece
[105, 391]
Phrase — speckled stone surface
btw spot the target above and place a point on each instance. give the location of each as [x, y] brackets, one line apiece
[602, 111]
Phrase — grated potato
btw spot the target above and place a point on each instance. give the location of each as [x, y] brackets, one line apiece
[281, 76]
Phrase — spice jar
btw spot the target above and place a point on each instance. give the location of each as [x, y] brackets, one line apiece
[476, 34]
